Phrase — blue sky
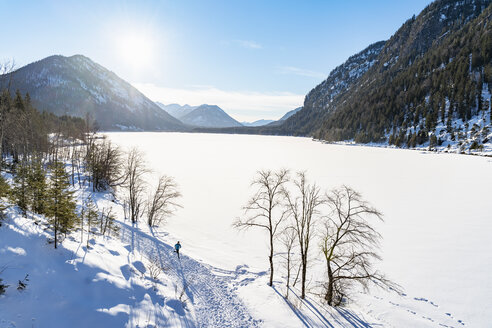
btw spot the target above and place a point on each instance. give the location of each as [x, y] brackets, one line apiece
[255, 59]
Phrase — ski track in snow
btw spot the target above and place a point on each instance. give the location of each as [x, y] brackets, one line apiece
[212, 294]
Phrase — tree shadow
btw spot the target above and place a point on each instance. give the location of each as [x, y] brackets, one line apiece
[341, 316]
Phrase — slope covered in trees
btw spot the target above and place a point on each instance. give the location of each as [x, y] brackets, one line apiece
[435, 71]
[24, 131]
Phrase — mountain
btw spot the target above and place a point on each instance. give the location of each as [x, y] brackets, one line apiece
[177, 110]
[430, 83]
[290, 113]
[203, 116]
[209, 116]
[76, 85]
[271, 122]
[282, 120]
[257, 123]
[319, 100]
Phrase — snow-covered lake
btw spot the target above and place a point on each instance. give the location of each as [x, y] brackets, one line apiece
[437, 207]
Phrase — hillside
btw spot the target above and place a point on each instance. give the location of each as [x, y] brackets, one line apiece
[428, 84]
[76, 86]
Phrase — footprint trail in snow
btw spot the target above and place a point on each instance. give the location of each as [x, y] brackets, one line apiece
[211, 290]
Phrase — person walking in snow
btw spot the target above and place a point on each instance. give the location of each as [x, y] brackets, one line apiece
[177, 247]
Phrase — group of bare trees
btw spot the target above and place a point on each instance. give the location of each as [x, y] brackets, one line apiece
[110, 168]
[299, 213]
[157, 204]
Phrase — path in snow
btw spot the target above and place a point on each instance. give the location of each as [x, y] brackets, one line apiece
[210, 290]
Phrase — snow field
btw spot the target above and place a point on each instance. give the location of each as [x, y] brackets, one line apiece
[436, 244]
[436, 209]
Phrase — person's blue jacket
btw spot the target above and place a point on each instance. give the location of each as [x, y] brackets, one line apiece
[177, 246]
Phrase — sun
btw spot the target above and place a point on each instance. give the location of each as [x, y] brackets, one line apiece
[136, 49]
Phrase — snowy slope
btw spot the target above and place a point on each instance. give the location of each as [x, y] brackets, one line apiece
[106, 282]
[476, 131]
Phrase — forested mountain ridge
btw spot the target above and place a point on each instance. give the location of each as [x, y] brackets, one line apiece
[76, 86]
[318, 101]
[434, 71]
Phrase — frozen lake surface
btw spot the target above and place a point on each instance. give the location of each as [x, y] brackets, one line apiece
[437, 207]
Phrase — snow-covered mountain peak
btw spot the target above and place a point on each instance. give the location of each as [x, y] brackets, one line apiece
[76, 85]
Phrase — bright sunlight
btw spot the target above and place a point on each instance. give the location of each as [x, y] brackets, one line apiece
[136, 49]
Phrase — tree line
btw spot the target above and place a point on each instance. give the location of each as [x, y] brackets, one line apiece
[297, 213]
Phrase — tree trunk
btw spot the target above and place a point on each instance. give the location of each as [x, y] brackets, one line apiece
[56, 231]
[270, 258]
[303, 276]
[329, 291]
[287, 284]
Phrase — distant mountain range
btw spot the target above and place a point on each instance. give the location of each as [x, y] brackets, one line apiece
[201, 116]
[284, 118]
[76, 86]
[212, 116]
[290, 113]
[176, 110]
[257, 123]
[278, 122]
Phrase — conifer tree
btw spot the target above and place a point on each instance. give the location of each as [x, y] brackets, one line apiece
[61, 207]
[4, 192]
[38, 188]
[4, 187]
[20, 191]
[432, 141]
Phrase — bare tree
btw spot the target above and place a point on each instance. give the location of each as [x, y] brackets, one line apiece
[104, 162]
[303, 208]
[108, 223]
[349, 243]
[163, 202]
[288, 239]
[155, 268]
[261, 207]
[134, 183]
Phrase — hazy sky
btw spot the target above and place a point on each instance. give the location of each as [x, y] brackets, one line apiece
[255, 58]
